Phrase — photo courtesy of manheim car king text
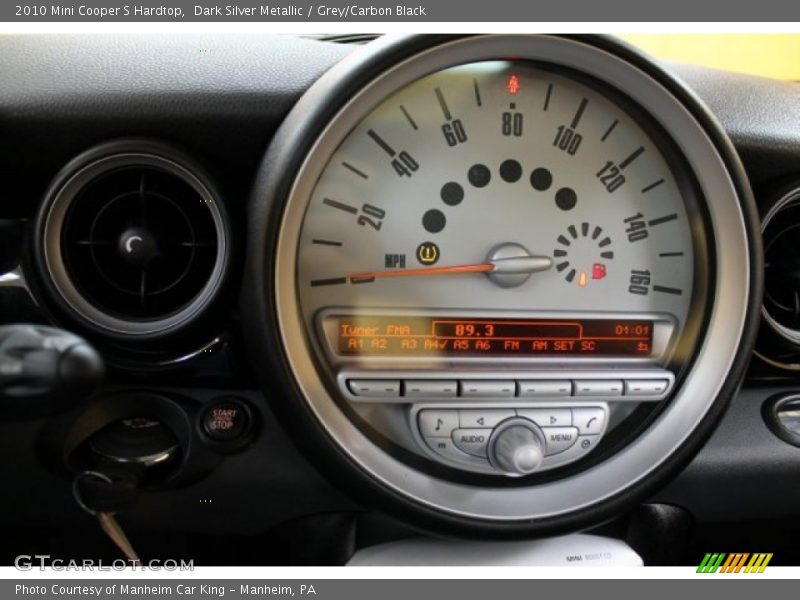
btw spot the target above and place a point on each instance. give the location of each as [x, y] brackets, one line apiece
[347, 300]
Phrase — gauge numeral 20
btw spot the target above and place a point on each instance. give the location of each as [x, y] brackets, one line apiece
[405, 165]
[639, 282]
[567, 140]
[371, 216]
[611, 177]
[636, 227]
[512, 123]
[454, 132]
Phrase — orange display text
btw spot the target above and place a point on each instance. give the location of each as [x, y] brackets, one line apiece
[405, 336]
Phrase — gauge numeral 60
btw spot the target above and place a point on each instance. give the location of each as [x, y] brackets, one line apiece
[454, 132]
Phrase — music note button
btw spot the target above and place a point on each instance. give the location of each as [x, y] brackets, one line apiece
[437, 423]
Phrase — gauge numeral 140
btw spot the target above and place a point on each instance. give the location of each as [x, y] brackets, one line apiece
[636, 227]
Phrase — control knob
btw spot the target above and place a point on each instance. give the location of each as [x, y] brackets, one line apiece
[517, 447]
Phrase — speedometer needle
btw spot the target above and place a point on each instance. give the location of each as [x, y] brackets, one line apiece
[515, 265]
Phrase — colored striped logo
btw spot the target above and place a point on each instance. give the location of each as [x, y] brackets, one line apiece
[734, 563]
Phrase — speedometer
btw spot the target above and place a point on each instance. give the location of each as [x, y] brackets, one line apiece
[498, 280]
[501, 187]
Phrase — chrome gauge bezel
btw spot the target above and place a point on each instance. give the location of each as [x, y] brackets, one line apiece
[701, 386]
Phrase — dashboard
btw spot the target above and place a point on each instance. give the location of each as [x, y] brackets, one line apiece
[485, 286]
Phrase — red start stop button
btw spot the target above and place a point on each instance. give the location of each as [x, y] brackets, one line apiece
[226, 421]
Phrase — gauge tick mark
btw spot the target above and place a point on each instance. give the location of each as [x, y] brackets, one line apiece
[443, 104]
[609, 130]
[381, 142]
[655, 184]
[341, 206]
[661, 220]
[667, 290]
[408, 117]
[577, 118]
[358, 172]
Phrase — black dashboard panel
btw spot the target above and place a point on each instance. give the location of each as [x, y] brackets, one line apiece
[221, 98]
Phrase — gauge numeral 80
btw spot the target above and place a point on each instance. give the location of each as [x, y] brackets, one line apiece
[512, 123]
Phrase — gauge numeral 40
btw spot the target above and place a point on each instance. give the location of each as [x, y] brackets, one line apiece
[405, 165]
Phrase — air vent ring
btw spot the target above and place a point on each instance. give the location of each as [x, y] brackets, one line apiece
[779, 336]
[132, 240]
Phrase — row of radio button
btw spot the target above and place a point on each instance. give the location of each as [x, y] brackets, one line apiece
[589, 420]
[498, 389]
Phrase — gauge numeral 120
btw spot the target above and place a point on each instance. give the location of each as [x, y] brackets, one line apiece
[454, 132]
[611, 177]
[567, 140]
[371, 216]
[639, 282]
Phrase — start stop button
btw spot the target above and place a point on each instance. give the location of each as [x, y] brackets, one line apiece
[226, 420]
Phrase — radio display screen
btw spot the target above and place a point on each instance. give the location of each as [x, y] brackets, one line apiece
[406, 336]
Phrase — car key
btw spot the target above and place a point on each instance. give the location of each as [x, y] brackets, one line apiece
[106, 492]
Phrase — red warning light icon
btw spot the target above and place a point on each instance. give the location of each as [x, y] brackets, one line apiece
[513, 84]
[598, 271]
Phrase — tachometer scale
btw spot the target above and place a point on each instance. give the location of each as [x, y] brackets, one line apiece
[497, 260]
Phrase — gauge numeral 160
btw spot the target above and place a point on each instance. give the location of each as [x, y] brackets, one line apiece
[639, 282]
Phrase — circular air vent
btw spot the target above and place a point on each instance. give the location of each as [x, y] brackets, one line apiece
[779, 339]
[133, 239]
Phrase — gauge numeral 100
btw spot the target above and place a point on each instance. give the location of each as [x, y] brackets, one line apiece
[454, 132]
[371, 216]
[567, 140]
[640, 282]
[404, 164]
[636, 227]
[611, 177]
[512, 123]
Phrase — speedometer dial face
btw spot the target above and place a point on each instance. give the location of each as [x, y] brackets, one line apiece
[503, 200]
